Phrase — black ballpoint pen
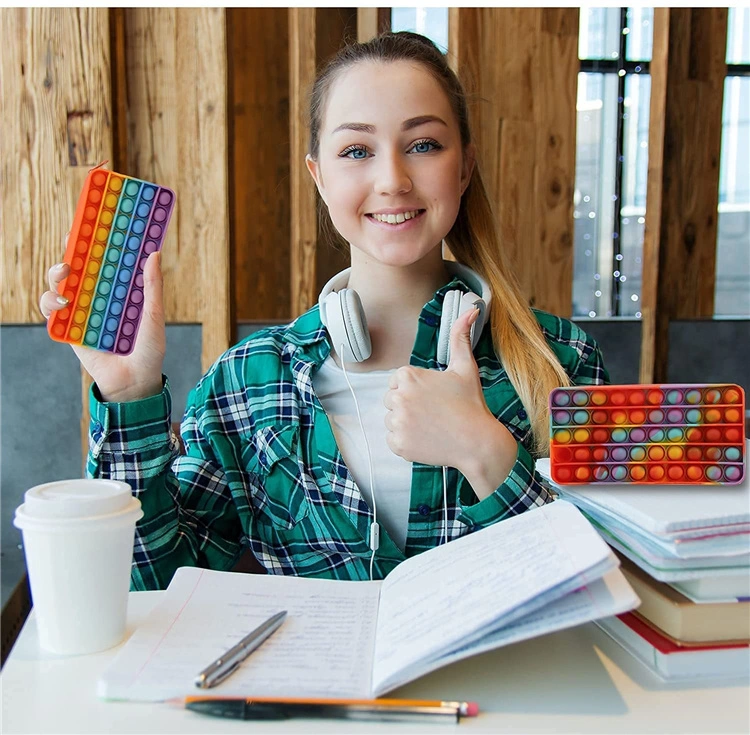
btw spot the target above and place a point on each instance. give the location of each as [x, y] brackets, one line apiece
[248, 709]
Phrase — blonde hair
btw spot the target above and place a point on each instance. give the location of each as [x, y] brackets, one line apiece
[474, 240]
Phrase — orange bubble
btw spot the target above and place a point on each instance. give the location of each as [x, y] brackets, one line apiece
[713, 396]
[656, 453]
[694, 472]
[637, 417]
[713, 435]
[656, 472]
[637, 472]
[582, 454]
[618, 398]
[732, 396]
[86, 230]
[82, 246]
[69, 294]
[675, 452]
[600, 454]
[695, 454]
[63, 315]
[583, 473]
[89, 212]
[676, 473]
[59, 329]
[598, 397]
[637, 398]
[99, 178]
[732, 415]
[655, 397]
[694, 435]
[563, 474]
[713, 415]
[732, 435]
[72, 280]
[599, 417]
[95, 196]
[600, 436]
[562, 454]
[619, 417]
[713, 454]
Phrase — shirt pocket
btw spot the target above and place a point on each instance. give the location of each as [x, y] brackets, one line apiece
[280, 497]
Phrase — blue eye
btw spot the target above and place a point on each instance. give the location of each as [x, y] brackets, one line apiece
[355, 149]
[426, 146]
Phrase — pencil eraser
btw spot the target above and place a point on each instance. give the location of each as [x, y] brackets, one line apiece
[472, 709]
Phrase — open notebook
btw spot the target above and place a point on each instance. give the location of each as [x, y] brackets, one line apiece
[543, 570]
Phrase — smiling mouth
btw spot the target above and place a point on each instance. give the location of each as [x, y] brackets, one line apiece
[396, 219]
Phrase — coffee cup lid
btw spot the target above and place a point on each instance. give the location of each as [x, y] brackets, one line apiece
[68, 500]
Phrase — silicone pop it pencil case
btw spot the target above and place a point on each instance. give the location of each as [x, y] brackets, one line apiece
[647, 434]
[119, 221]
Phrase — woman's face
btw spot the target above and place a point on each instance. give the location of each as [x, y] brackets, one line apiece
[391, 168]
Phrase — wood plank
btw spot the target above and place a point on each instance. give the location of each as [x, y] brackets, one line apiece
[56, 115]
[679, 264]
[372, 22]
[258, 40]
[304, 223]
[177, 88]
[525, 64]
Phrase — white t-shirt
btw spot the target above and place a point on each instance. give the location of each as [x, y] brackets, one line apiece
[391, 473]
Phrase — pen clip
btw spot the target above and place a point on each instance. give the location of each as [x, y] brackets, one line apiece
[208, 680]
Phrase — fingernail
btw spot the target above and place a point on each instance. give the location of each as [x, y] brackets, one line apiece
[62, 300]
[59, 266]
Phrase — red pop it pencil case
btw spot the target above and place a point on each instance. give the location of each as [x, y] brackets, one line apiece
[648, 434]
[119, 222]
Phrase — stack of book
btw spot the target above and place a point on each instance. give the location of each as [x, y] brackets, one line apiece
[686, 552]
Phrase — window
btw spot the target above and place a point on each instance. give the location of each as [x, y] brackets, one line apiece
[614, 91]
[430, 22]
[732, 295]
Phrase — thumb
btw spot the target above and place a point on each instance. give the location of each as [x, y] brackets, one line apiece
[461, 358]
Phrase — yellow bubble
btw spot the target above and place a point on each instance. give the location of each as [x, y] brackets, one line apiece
[75, 334]
[581, 436]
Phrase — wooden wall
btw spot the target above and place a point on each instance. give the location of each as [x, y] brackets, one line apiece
[213, 102]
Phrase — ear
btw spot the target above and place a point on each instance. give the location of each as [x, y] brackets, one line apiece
[314, 169]
[470, 155]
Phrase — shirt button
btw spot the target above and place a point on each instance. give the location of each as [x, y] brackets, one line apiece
[431, 321]
[423, 510]
[98, 428]
[522, 414]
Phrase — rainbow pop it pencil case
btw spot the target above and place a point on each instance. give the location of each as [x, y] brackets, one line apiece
[119, 222]
[648, 434]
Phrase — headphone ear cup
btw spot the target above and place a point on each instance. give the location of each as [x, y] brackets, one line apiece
[451, 307]
[344, 318]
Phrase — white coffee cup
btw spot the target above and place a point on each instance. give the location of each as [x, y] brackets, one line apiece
[78, 540]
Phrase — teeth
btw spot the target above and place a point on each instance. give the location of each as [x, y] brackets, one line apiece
[395, 219]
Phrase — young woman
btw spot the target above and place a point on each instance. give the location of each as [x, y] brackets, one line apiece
[402, 411]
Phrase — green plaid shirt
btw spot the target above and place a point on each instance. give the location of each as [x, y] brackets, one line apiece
[261, 468]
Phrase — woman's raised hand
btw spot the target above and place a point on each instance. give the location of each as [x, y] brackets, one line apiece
[122, 377]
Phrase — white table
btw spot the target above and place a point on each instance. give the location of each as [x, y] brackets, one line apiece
[574, 681]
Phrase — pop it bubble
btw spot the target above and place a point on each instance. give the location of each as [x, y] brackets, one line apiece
[119, 221]
[647, 434]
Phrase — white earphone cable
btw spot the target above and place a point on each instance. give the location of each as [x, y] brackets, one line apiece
[445, 505]
[374, 528]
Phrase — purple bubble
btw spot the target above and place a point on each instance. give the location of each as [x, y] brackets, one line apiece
[165, 198]
[128, 328]
[637, 435]
[142, 264]
[149, 247]
[132, 313]
[136, 296]
[139, 280]
[123, 345]
[160, 214]
[154, 231]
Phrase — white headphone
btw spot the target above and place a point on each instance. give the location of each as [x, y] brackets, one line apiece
[343, 316]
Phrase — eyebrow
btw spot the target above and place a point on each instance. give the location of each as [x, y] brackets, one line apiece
[412, 122]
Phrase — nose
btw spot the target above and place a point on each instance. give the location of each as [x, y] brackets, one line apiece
[392, 174]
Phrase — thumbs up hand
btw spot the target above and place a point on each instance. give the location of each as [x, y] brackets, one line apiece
[441, 418]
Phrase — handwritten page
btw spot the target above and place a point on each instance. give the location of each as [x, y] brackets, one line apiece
[439, 600]
[611, 595]
[323, 649]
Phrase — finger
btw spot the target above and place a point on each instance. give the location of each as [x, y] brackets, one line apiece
[51, 301]
[153, 282]
[56, 274]
[388, 400]
[393, 380]
[461, 357]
